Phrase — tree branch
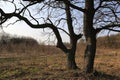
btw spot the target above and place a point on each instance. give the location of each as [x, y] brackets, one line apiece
[46, 25]
[76, 7]
[108, 27]
[113, 30]
[110, 0]
[34, 0]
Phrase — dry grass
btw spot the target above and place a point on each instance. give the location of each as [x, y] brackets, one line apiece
[108, 61]
[49, 63]
[36, 66]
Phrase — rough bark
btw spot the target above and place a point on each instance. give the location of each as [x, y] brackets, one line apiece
[90, 36]
[71, 64]
[90, 54]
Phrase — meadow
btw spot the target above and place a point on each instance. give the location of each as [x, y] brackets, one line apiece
[29, 61]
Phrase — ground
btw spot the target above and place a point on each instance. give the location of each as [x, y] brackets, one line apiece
[41, 66]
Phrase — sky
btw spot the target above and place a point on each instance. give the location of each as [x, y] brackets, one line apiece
[22, 29]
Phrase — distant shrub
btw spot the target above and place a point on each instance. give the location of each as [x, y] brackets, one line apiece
[112, 41]
[15, 44]
[23, 40]
[25, 45]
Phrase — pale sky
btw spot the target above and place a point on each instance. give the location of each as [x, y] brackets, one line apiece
[22, 29]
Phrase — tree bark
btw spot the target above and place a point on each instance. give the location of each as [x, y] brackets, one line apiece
[89, 55]
[71, 63]
[90, 35]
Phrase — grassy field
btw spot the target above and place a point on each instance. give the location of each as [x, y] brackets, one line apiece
[49, 63]
[37, 66]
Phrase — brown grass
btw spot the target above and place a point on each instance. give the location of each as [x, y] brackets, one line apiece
[39, 62]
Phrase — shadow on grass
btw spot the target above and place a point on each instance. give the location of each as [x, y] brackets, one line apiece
[56, 74]
[104, 76]
[77, 76]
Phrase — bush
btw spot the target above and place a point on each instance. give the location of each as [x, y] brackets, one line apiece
[109, 41]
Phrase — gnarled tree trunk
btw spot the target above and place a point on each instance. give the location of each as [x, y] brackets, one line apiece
[71, 63]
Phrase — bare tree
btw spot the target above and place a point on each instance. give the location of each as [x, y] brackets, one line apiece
[97, 15]
[49, 7]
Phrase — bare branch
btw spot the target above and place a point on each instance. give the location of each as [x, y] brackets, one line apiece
[110, 0]
[113, 30]
[64, 31]
[108, 27]
[46, 25]
[38, 1]
[77, 8]
[99, 6]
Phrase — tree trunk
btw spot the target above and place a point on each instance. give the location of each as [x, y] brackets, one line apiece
[89, 55]
[90, 35]
[71, 64]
